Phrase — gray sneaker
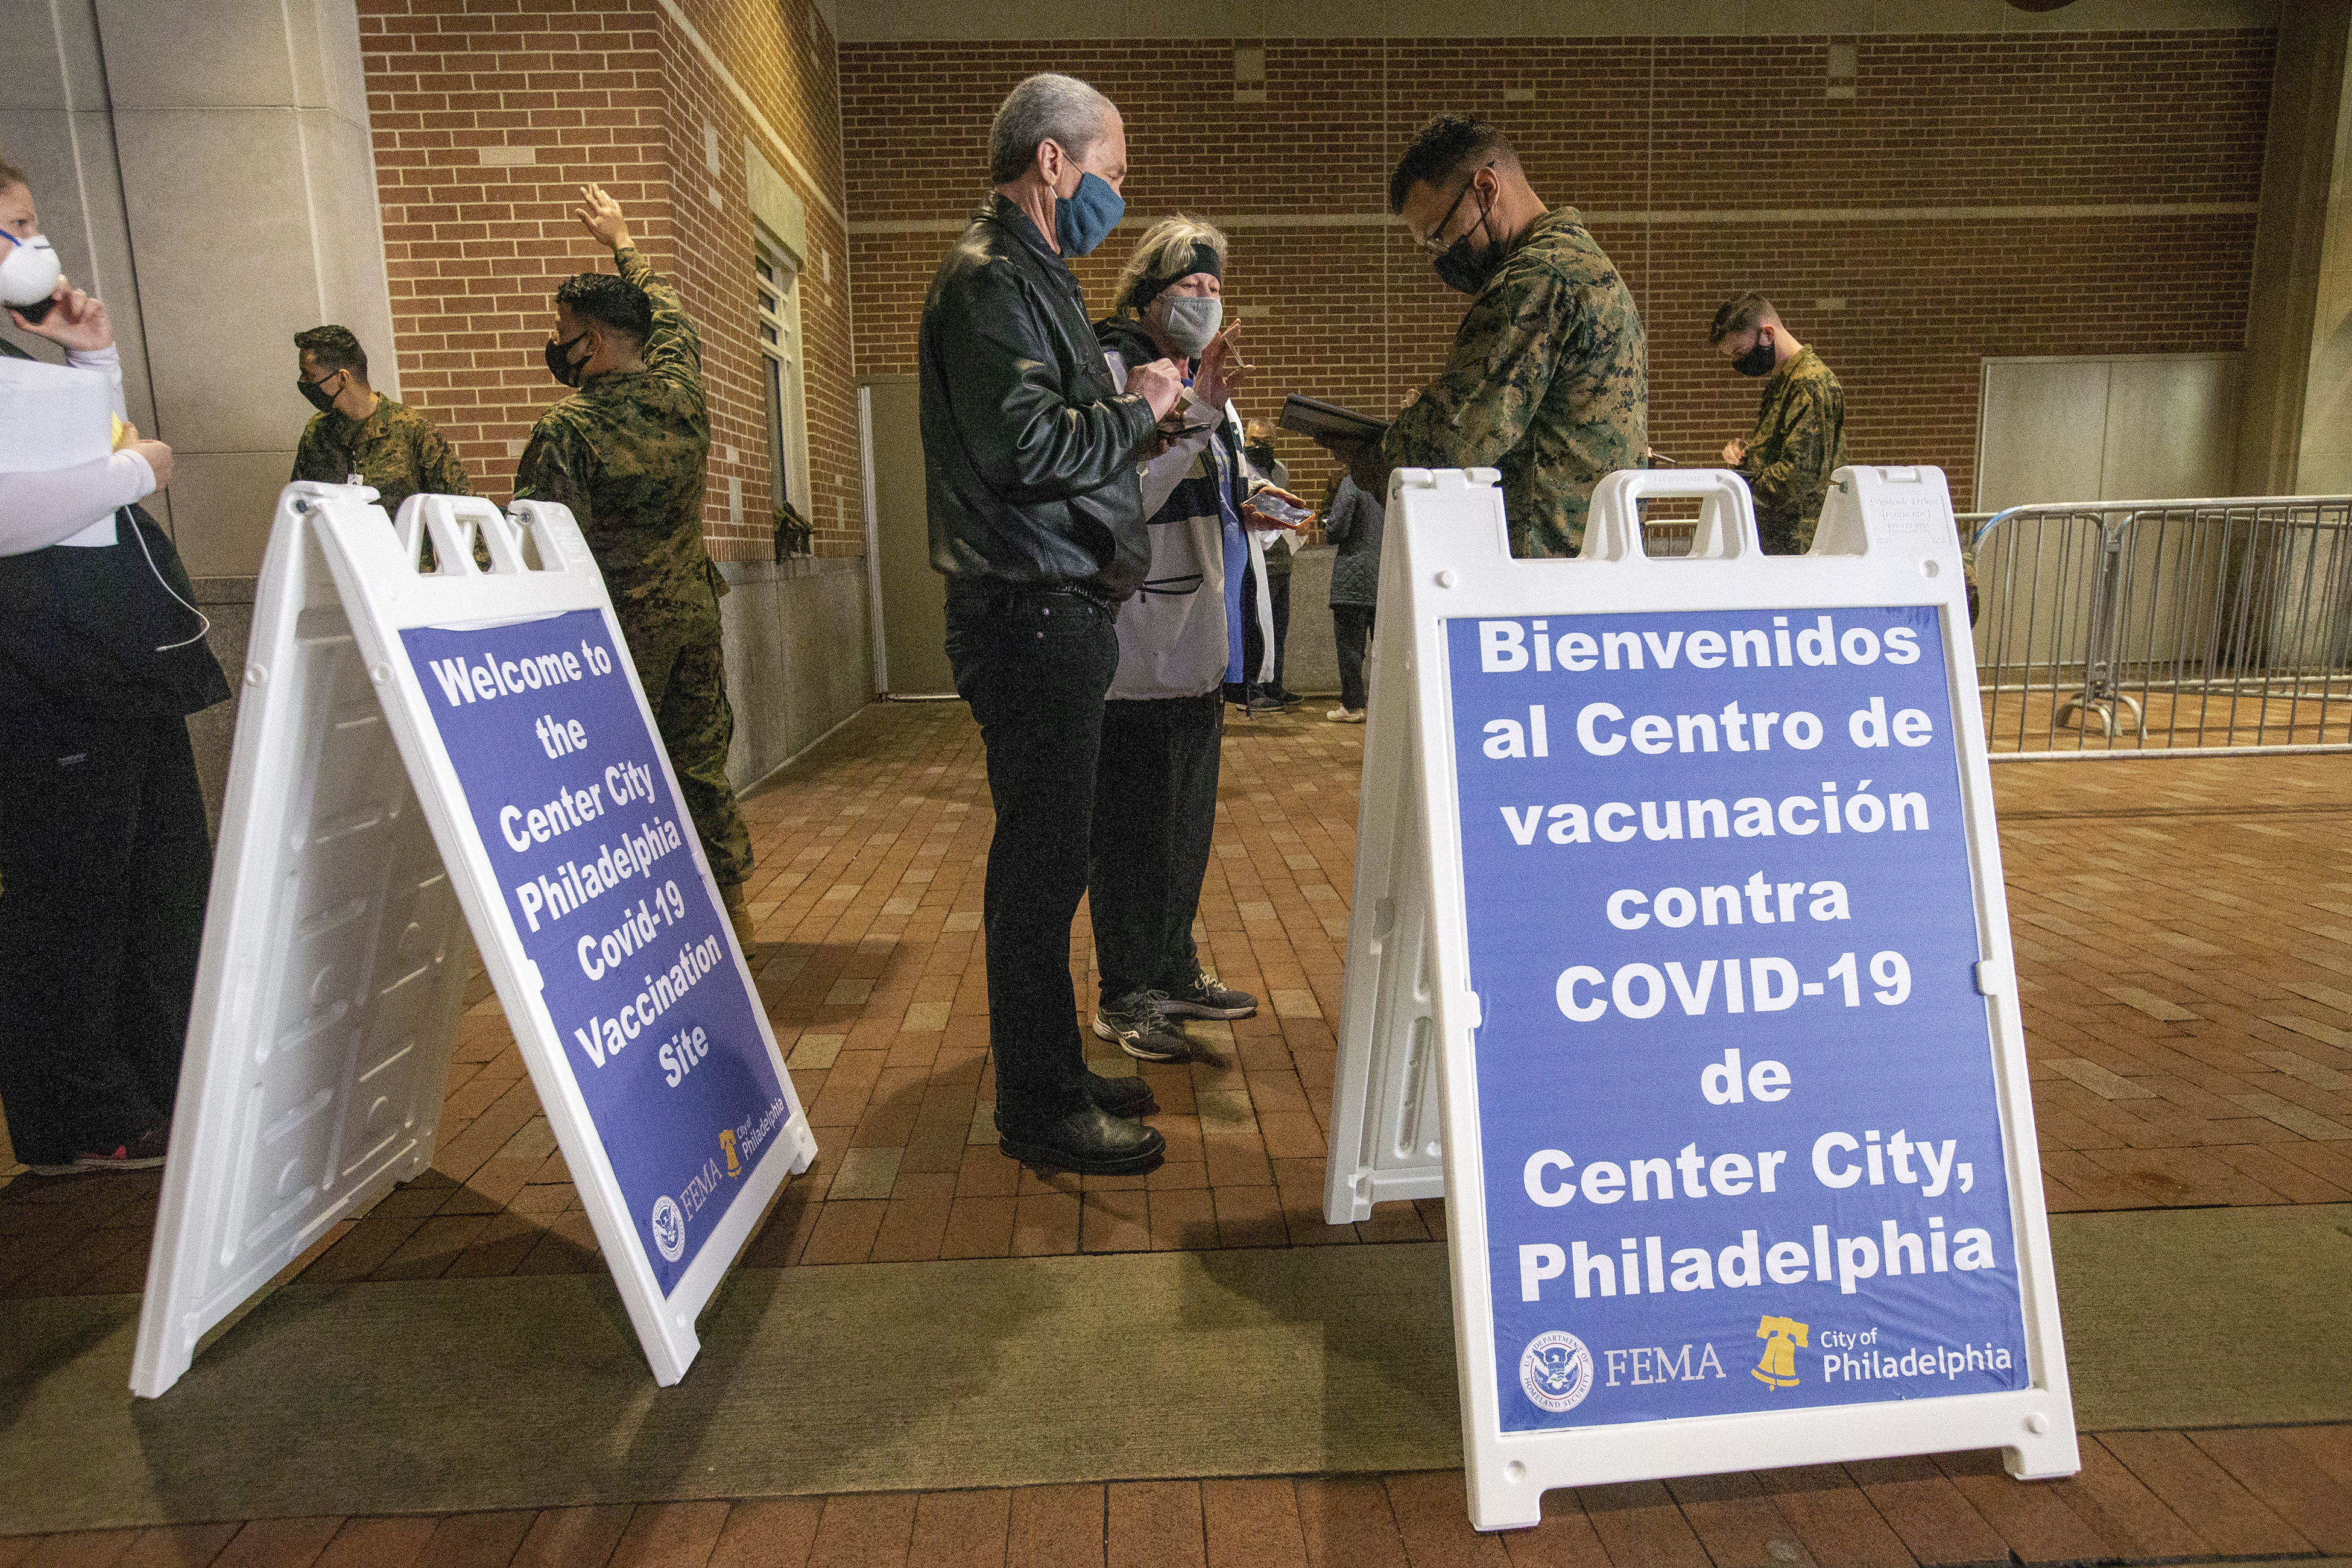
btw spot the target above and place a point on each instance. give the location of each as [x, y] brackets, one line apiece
[1204, 998]
[1135, 1022]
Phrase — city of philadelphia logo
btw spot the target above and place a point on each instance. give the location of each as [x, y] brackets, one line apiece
[1781, 1336]
[1556, 1371]
[727, 1147]
[669, 1227]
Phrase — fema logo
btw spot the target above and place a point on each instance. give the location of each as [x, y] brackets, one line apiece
[1556, 1371]
[670, 1234]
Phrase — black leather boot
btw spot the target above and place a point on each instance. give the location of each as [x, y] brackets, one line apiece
[1128, 1097]
[1091, 1140]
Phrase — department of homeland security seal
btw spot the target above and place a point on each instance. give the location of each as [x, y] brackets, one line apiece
[1556, 1371]
[670, 1234]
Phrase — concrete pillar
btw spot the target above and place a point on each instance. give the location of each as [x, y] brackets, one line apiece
[209, 166]
[2298, 365]
[2324, 455]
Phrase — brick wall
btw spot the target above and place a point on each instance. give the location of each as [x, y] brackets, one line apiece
[1708, 166]
[619, 92]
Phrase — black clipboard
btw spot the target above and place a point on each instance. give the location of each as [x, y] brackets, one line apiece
[1321, 421]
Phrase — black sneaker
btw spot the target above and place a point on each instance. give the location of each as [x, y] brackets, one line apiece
[1264, 702]
[1128, 1096]
[1135, 1022]
[1092, 1142]
[1204, 998]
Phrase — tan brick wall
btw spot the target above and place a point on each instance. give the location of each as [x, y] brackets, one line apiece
[1647, 135]
[618, 92]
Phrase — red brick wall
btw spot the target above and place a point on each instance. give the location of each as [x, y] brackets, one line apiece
[1663, 141]
[614, 91]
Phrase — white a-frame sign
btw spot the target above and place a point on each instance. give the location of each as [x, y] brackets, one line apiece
[415, 748]
[1679, 963]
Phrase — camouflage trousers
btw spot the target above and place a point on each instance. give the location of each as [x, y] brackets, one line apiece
[674, 643]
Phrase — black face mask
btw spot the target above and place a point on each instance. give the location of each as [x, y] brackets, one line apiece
[315, 392]
[1467, 270]
[1262, 455]
[1758, 360]
[559, 361]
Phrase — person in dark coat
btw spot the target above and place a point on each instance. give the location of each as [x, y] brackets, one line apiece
[1031, 458]
[1353, 524]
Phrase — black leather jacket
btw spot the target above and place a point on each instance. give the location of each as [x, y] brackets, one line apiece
[1029, 453]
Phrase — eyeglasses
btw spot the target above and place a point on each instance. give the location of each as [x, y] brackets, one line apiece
[1435, 246]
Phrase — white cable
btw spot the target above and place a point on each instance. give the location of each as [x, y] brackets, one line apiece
[203, 631]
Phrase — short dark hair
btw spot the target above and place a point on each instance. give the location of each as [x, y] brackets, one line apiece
[1442, 149]
[334, 347]
[1746, 313]
[609, 301]
[12, 175]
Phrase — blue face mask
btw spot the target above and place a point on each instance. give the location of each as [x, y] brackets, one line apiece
[1084, 219]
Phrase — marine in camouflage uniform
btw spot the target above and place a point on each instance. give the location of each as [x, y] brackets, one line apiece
[1797, 442]
[395, 449]
[1549, 382]
[626, 452]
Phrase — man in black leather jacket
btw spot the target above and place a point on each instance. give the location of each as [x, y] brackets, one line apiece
[1036, 515]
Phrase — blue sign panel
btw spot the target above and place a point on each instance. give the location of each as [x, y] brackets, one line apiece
[1736, 1088]
[562, 772]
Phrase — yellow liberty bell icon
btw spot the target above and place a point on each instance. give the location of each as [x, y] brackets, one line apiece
[727, 1147]
[1781, 1336]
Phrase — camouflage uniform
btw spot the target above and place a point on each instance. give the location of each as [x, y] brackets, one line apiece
[1799, 442]
[1549, 382]
[627, 453]
[396, 449]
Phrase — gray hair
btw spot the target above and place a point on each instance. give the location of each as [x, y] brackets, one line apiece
[1046, 108]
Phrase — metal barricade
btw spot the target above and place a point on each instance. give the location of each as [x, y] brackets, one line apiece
[2116, 629]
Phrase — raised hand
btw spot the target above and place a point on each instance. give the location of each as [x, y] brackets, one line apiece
[1221, 371]
[601, 216]
[77, 320]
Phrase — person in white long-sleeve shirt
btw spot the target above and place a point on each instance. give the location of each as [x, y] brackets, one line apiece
[41, 505]
[104, 856]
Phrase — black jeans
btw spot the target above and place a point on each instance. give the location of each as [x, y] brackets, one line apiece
[104, 866]
[1351, 628]
[1035, 666]
[1155, 813]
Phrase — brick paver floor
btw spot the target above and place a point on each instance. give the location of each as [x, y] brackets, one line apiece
[2184, 938]
[2184, 935]
[2266, 1493]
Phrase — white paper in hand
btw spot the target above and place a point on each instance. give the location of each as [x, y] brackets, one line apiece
[53, 417]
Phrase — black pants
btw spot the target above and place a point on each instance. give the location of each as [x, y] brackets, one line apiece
[104, 865]
[1155, 814]
[1034, 668]
[1278, 592]
[1351, 628]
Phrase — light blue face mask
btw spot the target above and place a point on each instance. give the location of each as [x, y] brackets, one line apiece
[1191, 321]
[1084, 219]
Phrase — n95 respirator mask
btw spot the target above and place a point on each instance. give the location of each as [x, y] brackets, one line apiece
[28, 272]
